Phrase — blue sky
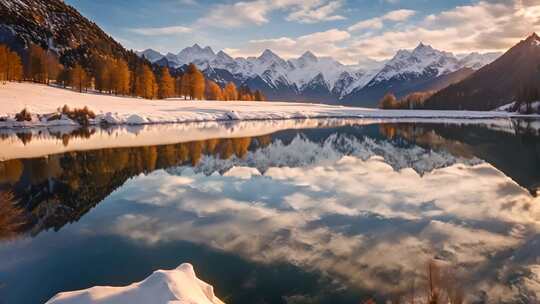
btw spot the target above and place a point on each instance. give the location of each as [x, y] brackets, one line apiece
[349, 30]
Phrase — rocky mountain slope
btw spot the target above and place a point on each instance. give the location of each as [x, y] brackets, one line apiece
[495, 84]
[56, 26]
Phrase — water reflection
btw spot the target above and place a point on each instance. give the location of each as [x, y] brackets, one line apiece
[357, 210]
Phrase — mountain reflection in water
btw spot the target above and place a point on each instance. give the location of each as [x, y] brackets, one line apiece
[364, 207]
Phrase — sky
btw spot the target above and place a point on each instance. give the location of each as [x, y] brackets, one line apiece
[350, 31]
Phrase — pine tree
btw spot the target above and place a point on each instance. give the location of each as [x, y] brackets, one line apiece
[230, 92]
[214, 91]
[166, 84]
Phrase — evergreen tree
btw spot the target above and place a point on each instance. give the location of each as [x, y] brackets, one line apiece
[166, 84]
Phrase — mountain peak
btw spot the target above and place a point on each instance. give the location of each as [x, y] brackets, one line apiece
[423, 47]
[533, 39]
[534, 36]
[309, 56]
[197, 47]
[268, 55]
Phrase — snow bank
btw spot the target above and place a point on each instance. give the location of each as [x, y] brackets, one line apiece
[535, 107]
[42, 99]
[179, 286]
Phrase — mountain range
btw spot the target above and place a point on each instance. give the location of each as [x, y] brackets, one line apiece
[468, 81]
[495, 84]
[324, 79]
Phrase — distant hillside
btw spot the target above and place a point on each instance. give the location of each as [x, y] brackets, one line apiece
[422, 69]
[56, 26]
[495, 84]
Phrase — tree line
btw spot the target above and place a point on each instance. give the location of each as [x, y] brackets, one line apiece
[412, 101]
[117, 76]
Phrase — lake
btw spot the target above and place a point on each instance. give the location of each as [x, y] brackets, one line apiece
[308, 211]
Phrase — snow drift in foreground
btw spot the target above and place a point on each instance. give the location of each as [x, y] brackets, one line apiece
[40, 99]
[176, 286]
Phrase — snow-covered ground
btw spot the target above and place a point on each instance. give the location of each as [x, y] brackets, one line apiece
[179, 285]
[535, 107]
[40, 99]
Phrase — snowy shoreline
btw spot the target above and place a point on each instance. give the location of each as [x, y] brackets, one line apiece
[41, 100]
[179, 285]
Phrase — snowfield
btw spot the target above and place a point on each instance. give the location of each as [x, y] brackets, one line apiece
[41, 99]
[179, 285]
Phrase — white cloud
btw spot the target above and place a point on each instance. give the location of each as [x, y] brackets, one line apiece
[378, 22]
[483, 27]
[321, 43]
[161, 31]
[317, 14]
[256, 12]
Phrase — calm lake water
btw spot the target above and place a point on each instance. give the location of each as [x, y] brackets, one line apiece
[323, 211]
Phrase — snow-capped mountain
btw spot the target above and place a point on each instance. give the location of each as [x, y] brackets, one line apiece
[510, 72]
[417, 70]
[151, 55]
[307, 78]
[423, 60]
[319, 79]
[476, 61]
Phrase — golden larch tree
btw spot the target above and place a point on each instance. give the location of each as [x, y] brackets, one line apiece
[78, 78]
[214, 91]
[146, 83]
[185, 85]
[259, 96]
[166, 84]
[230, 92]
[122, 77]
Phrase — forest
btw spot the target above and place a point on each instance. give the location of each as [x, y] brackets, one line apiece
[116, 76]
